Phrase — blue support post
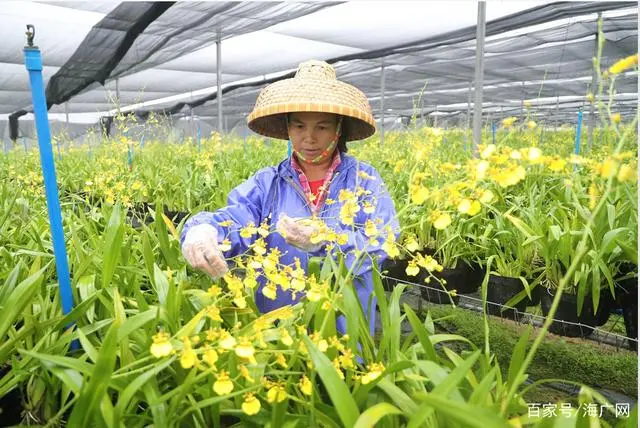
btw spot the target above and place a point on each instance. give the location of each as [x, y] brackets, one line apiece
[493, 132]
[33, 63]
[198, 136]
[578, 133]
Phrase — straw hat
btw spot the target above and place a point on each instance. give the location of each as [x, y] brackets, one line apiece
[313, 89]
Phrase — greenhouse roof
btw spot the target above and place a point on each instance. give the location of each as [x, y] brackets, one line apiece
[163, 55]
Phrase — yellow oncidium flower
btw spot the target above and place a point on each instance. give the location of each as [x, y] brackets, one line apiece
[161, 346]
[590, 97]
[281, 360]
[368, 207]
[624, 64]
[346, 359]
[305, 385]
[557, 165]
[244, 372]
[389, 246]
[508, 122]
[259, 247]
[213, 312]
[531, 124]
[336, 365]
[188, 358]
[223, 385]
[276, 393]
[412, 268]
[487, 196]
[375, 370]
[488, 151]
[428, 263]
[469, 207]
[370, 228]
[418, 194]
[225, 245]
[227, 341]
[348, 211]
[249, 230]
[270, 291]
[616, 118]
[285, 337]
[214, 291]
[244, 348]
[608, 168]
[627, 173]
[210, 356]
[481, 170]
[250, 405]
[411, 244]
[534, 154]
[442, 221]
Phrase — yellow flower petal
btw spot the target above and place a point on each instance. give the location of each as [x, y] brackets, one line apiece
[250, 405]
[442, 221]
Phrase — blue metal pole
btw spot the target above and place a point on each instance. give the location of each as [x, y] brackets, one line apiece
[578, 133]
[198, 135]
[493, 132]
[33, 63]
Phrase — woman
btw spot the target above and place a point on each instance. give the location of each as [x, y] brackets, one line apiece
[317, 114]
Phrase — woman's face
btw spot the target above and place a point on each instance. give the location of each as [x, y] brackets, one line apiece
[311, 132]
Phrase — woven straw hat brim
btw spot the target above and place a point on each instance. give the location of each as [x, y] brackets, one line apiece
[311, 95]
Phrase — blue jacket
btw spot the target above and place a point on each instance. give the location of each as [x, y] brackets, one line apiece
[275, 190]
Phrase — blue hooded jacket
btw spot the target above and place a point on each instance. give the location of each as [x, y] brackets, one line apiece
[275, 190]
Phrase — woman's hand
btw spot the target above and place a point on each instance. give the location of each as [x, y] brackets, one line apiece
[200, 249]
[297, 233]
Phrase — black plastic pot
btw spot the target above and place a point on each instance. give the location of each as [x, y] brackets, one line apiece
[395, 270]
[627, 301]
[581, 325]
[434, 291]
[465, 277]
[500, 290]
[11, 404]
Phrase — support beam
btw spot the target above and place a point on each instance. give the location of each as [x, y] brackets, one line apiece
[382, 103]
[594, 77]
[479, 76]
[219, 79]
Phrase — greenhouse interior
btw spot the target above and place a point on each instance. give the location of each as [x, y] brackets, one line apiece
[319, 213]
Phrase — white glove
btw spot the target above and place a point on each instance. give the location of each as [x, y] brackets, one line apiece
[296, 233]
[200, 249]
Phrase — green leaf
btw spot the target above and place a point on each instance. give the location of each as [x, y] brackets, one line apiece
[21, 296]
[457, 375]
[91, 397]
[398, 396]
[135, 322]
[111, 245]
[161, 284]
[86, 288]
[58, 360]
[517, 358]
[372, 415]
[134, 387]
[421, 332]
[337, 389]
[462, 413]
